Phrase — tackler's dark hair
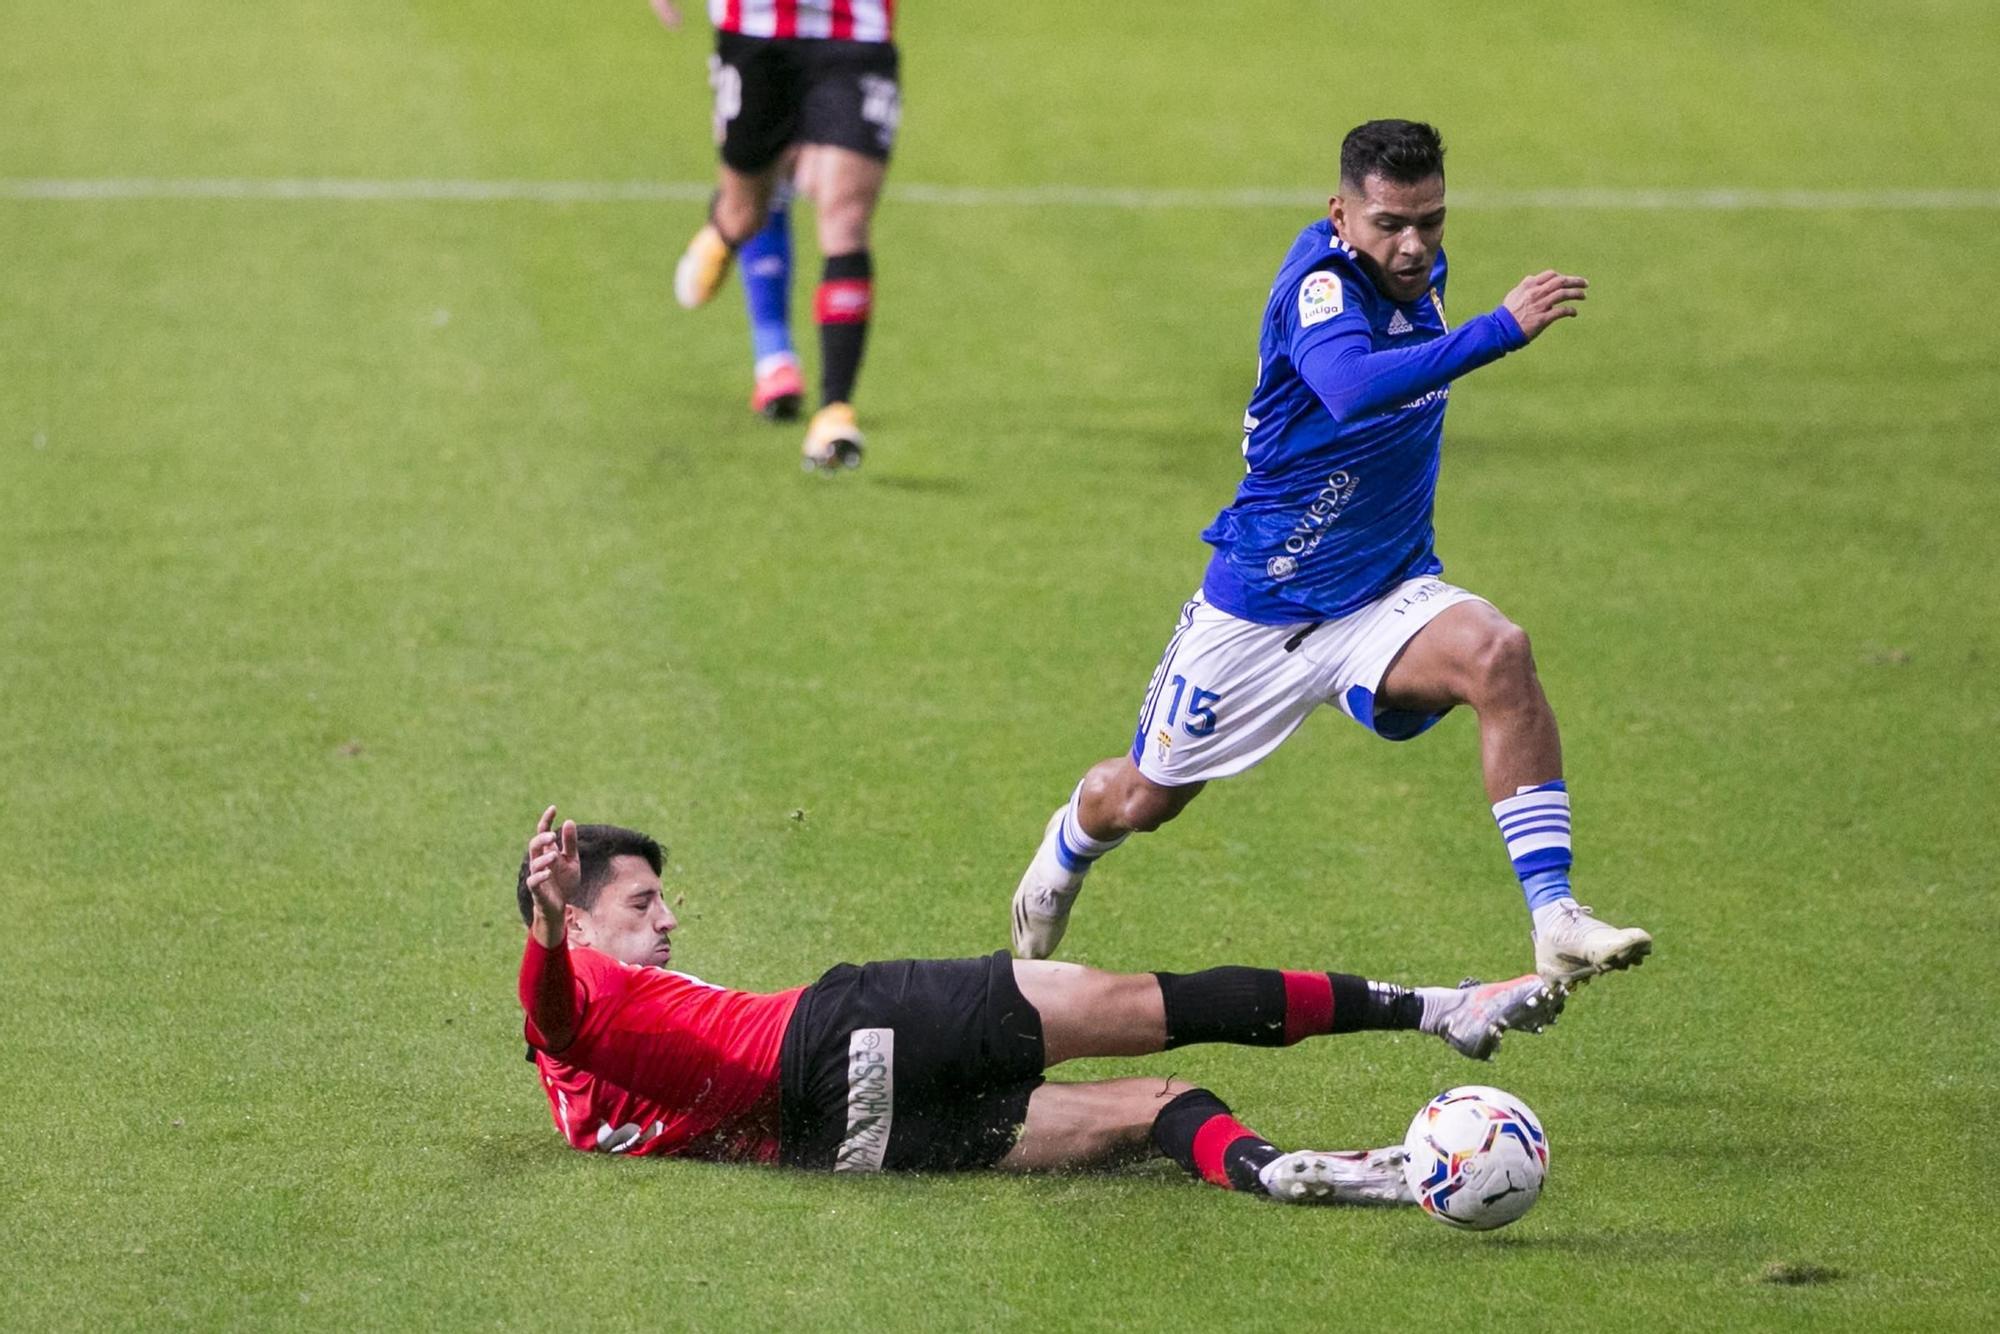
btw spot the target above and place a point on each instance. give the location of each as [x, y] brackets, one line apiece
[596, 845]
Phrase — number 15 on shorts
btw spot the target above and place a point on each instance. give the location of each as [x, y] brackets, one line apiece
[1200, 713]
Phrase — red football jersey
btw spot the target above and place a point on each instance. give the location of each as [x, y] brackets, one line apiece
[662, 1063]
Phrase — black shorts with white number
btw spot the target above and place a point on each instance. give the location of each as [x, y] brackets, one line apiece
[771, 93]
[918, 1065]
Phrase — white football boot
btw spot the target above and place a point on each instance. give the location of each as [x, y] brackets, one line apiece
[1571, 945]
[1042, 902]
[1472, 1018]
[1366, 1176]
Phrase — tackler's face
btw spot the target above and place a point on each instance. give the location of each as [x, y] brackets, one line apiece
[1396, 230]
[630, 921]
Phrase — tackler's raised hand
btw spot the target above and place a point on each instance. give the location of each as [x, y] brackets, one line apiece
[555, 872]
[1541, 299]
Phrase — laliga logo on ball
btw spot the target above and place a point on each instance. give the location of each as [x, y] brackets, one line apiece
[1477, 1157]
[1281, 567]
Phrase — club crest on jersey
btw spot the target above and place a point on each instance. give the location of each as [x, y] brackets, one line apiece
[1437, 304]
[1319, 299]
[1281, 568]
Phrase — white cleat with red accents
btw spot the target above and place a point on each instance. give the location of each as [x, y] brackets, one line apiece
[1484, 1012]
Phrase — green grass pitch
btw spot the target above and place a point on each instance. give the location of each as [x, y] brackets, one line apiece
[338, 537]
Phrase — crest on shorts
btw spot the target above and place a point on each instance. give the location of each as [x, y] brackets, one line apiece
[1319, 299]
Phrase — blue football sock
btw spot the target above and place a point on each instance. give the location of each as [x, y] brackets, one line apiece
[766, 263]
[1546, 887]
[1075, 849]
[1535, 823]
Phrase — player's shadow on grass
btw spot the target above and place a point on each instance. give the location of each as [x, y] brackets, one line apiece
[1594, 1245]
[519, 1152]
[1729, 1248]
[920, 485]
[1101, 1185]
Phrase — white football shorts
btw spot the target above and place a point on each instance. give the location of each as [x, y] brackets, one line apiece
[1228, 692]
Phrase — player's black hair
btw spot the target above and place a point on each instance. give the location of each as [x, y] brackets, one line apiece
[596, 845]
[1404, 151]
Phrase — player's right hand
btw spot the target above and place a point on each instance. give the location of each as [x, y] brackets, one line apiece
[555, 872]
[1541, 299]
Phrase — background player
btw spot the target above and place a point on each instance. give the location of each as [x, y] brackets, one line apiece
[818, 76]
[1323, 585]
[776, 390]
[923, 1065]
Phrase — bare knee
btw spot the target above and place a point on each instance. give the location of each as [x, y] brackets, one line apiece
[1501, 669]
[1148, 805]
[844, 187]
[739, 220]
[1087, 1012]
[1139, 1100]
[1083, 1125]
[1117, 792]
[1143, 811]
[741, 205]
[843, 225]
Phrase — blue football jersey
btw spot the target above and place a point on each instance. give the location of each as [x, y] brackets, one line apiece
[1341, 439]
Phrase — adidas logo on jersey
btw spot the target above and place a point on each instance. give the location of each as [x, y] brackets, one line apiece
[1399, 325]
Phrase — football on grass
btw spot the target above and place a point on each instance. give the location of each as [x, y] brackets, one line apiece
[1477, 1157]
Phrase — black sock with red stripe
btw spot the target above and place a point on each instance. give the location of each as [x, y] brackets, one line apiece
[842, 305]
[1197, 1131]
[1269, 1007]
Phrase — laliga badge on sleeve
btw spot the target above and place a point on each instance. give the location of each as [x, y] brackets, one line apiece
[1319, 299]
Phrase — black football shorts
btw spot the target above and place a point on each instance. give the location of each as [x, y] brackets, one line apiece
[771, 93]
[923, 1065]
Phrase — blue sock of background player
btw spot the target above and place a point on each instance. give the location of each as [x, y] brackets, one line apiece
[766, 263]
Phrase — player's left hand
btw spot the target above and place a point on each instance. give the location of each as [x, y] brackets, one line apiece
[1540, 299]
[670, 16]
[555, 871]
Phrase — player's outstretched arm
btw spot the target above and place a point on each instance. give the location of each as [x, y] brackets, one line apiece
[555, 874]
[1354, 380]
[669, 14]
[547, 985]
[1541, 299]
[1337, 357]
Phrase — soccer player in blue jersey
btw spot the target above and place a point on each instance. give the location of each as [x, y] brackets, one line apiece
[1323, 587]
